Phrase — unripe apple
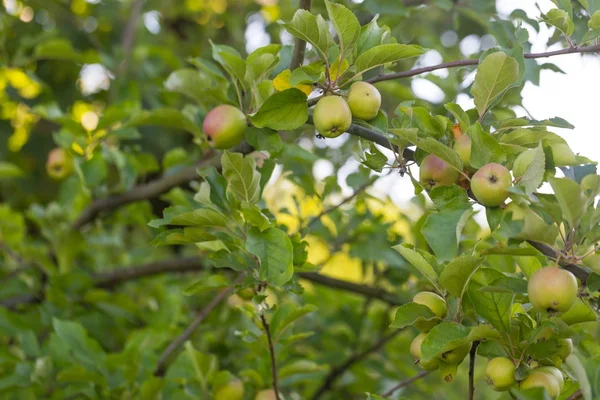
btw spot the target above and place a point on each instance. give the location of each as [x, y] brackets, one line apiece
[522, 162]
[565, 348]
[332, 116]
[436, 172]
[552, 289]
[534, 226]
[590, 184]
[543, 380]
[456, 355]
[364, 100]
[558, 375]
[59, 164]
[500, 373]
[434, 301]
[415, 351]
[234, 390]
[490, 183]
[462, 147]
[268, 394]
[225, 126]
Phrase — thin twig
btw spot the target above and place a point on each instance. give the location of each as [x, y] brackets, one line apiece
[222, 295]
[463, 63]
[272, 354]
[128, 37]
[576, 396]
[405, 382]
[549, 252]
[300, 45]
[339, 370]
[472, 357]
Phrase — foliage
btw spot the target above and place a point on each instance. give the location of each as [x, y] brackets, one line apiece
[155, 266]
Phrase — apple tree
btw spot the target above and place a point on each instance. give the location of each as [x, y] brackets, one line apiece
[196, 203]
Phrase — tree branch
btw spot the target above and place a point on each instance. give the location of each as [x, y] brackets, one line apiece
[405, 382]
[299, 44]
[339, 370]
[128, 38]
[463, 63]
[272, 354]
[222, 295]
[549, 252]
[472, 357]
[576, 396]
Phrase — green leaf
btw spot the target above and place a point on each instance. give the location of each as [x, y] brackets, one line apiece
[578, 313]
[254, 216]
[442, 231]
[197, 85]
[456, 275]
[493, 307]
[485, 148]
[264, 139]
[496, 73]
[312, 29]
[346, 25]
[285, 110]
[243, 180]
[200, 217]
[371, 35]
[371, 396]
[534, 174]
[560, 19]
[383, 54]
[506, 284]
[450, 335]
[274, 249]
[167, 117]
[286, 315]
[461, 117]
[206, 285]
[259, 67]
[10, 170]
[570, 199]
[85, 350]
[417, 261]
[431, 146]
[230, 60]
[411, 313]
[421, 118]
[61, 49]
[555, 122]
[594, 22]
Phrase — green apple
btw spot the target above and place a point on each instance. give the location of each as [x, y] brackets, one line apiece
[500, 373]
[590, 184]
[455, 356]
[434, 301]
[565, 348]
[554, 372]
[436, 172]
[268, 394]
[415, 351]
[59, 164]
[364, 100]
[552, 289]
[522, 162]
[462, 147]
[534, 226]
[490, 183]
[224, 126]
[234, 390]
[332, 116]
[543, 380]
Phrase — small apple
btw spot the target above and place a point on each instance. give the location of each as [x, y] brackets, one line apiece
[364, 100]
[522, 162]
[455, 356]
[434, 301]
[268, 394]
[590, 185]
[234, 390]
[224, 126]
[436, 172]
[59, 164]
[415, 351]
[462, 147]
[565, 348]
[500, 373]
[552, 289]
[332, 116]
[490, 183]
[543, 380]
[560, 378]
[534, 226]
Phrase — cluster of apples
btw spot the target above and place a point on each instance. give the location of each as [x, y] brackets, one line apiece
[333, 114]
[550, 290]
